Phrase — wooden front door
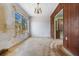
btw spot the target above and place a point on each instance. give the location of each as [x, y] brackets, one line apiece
[71, 27]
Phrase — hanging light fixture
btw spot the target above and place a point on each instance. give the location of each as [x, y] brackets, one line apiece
[37, 9]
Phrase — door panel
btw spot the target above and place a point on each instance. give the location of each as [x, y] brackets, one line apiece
[71, 27]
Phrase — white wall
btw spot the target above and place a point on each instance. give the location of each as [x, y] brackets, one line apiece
[40, 26]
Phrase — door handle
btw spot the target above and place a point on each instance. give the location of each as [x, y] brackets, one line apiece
[66, 38]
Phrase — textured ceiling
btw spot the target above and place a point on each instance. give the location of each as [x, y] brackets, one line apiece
[47, 8]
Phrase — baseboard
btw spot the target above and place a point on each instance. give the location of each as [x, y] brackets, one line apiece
[67, 51]
[18, 43]
[40, 37]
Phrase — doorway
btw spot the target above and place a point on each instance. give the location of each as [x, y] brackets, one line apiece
[58, 25]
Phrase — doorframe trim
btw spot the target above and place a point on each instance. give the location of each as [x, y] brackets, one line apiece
[58, 8]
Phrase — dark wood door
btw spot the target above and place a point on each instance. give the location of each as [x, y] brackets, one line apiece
[71, 27]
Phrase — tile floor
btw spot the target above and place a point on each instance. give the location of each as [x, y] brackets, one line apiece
[33, 47]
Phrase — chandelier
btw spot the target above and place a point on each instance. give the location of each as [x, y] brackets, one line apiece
[37, 9]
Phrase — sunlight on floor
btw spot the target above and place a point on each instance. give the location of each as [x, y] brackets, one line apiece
[32, 47]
